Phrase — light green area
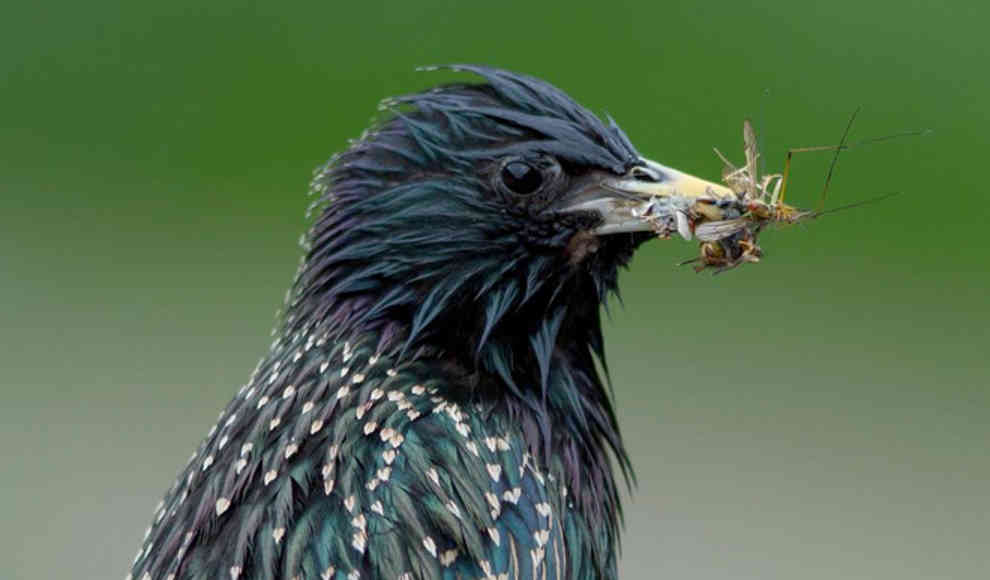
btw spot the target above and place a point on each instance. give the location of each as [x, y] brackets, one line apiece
[822, 415]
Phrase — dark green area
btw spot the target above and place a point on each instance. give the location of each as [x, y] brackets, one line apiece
[821, 415]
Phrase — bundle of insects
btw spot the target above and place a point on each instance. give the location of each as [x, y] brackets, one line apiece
[730, 239]
[728, 227]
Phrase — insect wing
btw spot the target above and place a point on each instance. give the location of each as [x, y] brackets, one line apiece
[752, 153]
[717, 230]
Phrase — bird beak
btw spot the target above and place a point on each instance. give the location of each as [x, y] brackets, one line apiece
[649, 194]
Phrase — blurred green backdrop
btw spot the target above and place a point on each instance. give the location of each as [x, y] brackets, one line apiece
[822, 415]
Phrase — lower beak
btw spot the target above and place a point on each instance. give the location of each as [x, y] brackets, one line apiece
[649, 195]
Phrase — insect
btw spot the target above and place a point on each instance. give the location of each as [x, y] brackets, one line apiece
[728, 229]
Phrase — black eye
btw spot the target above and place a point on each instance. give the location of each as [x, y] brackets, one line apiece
[521, 177]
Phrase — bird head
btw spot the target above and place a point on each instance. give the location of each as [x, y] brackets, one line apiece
[482, 219]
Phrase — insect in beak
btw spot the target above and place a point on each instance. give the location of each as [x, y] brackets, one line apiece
[732, 240]
[725, 219]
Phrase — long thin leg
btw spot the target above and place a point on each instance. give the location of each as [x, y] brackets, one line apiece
[843, 147]
[835, 158]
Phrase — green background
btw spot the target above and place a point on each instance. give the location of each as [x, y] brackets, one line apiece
[821, 415]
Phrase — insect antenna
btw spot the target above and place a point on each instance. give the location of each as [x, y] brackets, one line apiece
[761, 138]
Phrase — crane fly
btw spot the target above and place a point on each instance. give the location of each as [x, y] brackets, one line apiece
[728, 228]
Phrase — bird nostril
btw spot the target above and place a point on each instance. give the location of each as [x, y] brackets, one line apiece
[643, 174]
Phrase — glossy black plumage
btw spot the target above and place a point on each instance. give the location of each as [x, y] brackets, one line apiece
[430, 407]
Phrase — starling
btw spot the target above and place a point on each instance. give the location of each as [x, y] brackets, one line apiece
[431, 405]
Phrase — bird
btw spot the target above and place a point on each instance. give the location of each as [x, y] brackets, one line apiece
[435, 403]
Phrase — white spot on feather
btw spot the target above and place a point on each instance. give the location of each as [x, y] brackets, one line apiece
[384, 473]
[389, 456]
[543, 509]
[270, 476]
[512, 496]
[494, 470]
[222, 505]
[291, 449]
[359, 541]
[541, 537]
[430, 546]
[361, 410]
[433, 475]
[396, 440]
[447, 558]
[495, 504]
[537, 556]
[452, 508]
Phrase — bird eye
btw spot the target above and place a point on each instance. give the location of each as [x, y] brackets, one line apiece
[521, 178]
